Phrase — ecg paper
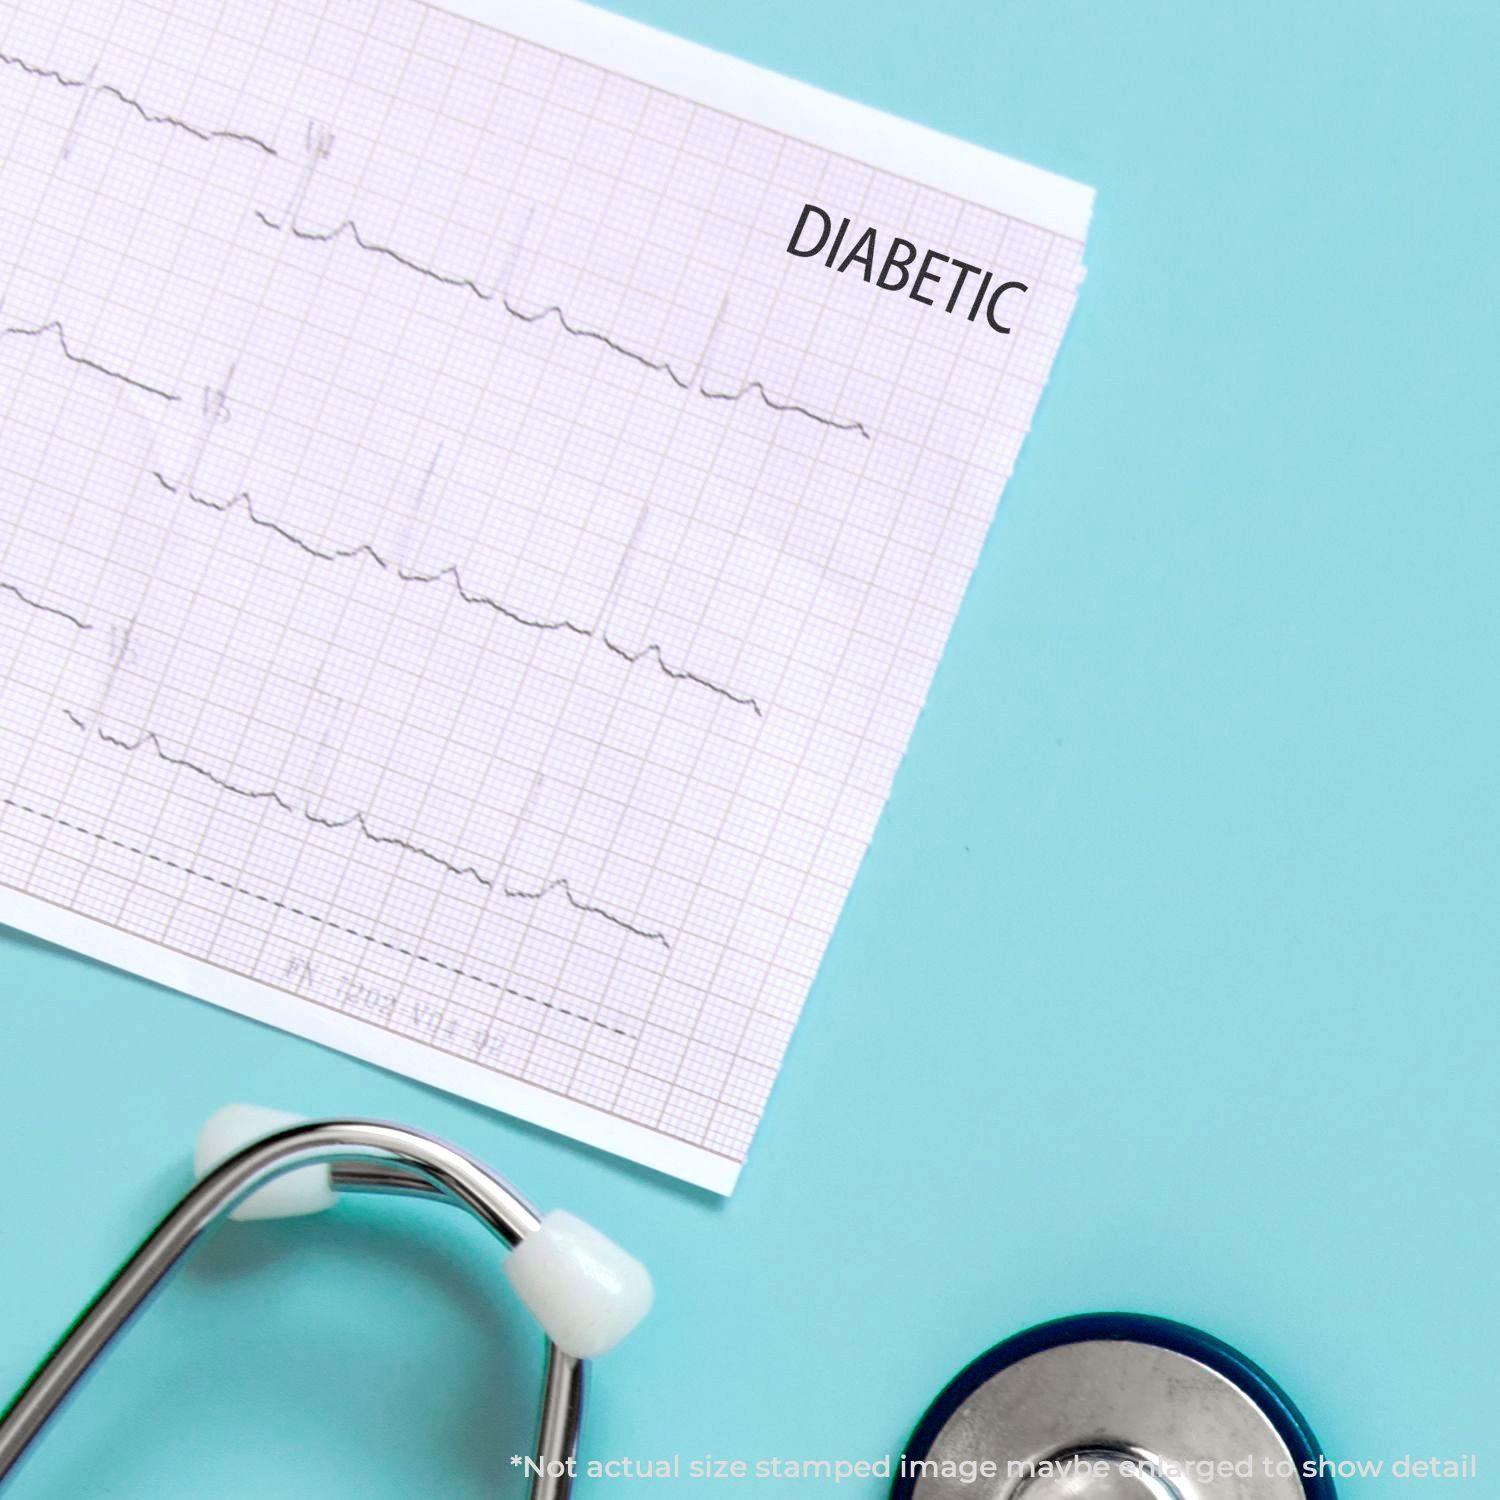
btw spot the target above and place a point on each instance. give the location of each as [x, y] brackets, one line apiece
[468, 571]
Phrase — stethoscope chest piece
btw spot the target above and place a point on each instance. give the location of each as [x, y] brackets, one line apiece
[1112, 1406]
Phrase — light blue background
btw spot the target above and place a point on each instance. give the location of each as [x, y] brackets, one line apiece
[1170, 981]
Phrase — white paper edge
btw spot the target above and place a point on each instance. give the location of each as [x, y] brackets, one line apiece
[793, 108]
[288, 1012]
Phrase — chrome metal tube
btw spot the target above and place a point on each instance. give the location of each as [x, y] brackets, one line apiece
[385, 1177]
[366, 1155]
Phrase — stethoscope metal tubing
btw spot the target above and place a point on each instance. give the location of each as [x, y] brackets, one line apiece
[365, 1156]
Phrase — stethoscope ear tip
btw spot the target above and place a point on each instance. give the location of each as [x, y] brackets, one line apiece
[585, 1291]
[307, 1190]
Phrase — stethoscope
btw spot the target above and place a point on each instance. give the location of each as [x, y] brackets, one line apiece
[1113, 1406]
[253, 1163]
[1103, 1407]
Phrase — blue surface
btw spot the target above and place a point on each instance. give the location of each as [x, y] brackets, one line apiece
[1170, 981]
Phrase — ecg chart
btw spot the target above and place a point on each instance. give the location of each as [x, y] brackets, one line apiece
[465, 587]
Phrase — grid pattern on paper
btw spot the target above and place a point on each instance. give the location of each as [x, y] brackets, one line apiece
[455, 567]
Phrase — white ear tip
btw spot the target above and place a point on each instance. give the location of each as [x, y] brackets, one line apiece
[308, 1190]
[580, 1286]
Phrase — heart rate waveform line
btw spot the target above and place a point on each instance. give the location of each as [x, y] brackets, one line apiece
[451, 576]
[7, 587]
[56, 328]
[677, 674]
[357, 821]
[660, 366]
[135, 104]
[281, 904]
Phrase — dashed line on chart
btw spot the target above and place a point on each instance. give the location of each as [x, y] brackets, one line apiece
[357, 820]
[284, 905]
